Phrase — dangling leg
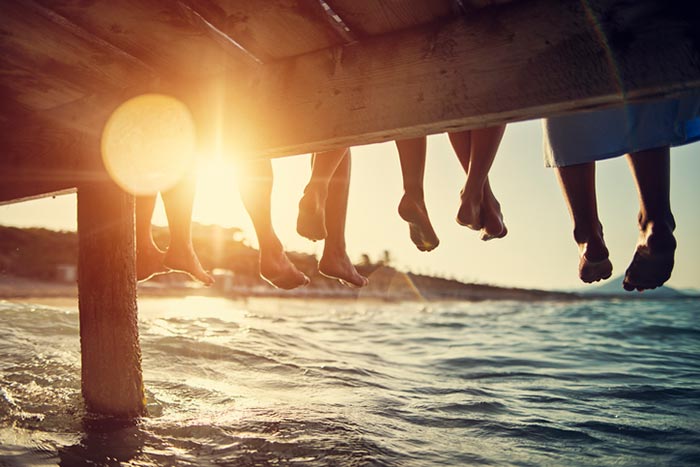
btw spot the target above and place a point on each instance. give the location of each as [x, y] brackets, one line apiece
[412, 206]
[479, 208]
[180, 256]
[335, 262]
[462, 145]
[311, 222]
[578, 186]
[149, 258]
[255, 183]
[492, 216]
[654, 258]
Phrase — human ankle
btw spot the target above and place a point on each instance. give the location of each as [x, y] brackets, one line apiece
[473, 188]
[317, 193]
[335, 251]
[585, 232]
[414, 194]
[656, 222]
[591, 243]
[659, 236]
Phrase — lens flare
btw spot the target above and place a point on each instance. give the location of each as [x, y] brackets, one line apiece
[148, 143]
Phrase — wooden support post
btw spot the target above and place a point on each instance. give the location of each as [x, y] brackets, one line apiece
[112, 382]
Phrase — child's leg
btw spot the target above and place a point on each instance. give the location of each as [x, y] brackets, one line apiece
[654, 258]
[311, 222]
[335, 262]
[479, 208]
[255, 183]
[578, 186]
[149, 258]
[180, 256]
[412, 206]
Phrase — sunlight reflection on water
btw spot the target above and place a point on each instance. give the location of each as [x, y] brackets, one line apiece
[292, 382]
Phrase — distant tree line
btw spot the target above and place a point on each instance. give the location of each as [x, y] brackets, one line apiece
[37, 253]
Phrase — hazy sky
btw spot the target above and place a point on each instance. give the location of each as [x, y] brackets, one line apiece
[538, 252]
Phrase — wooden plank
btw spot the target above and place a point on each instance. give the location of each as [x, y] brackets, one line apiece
[36, 90]
[467, 4]
[272, 29]
[46, 63]
[59, 148]
[522, 60]
[514, 62]
[112, 382]
[372, 17]
[157, 32]
[39, 156]
[46, 193]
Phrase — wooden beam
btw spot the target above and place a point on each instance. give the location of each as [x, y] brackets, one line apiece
[46, 61]
[58, 148]
[39, 156]
[112, 382]
[511, 62]
[32, 195]
[506, 63]
[159, 33]
[272, 29]
[373, 17]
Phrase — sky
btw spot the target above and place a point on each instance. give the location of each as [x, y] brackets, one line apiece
[539, 251]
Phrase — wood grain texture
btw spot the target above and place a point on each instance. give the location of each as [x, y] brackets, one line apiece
[39, 156]
[517, 61]
[482, 3]
[112, 382]
[157, 32]
[46, 62]
[372, 17]
[271, 29]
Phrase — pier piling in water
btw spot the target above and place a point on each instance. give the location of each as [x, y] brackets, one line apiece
[112, 382]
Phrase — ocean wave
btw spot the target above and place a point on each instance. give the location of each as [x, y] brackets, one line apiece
[311, 384]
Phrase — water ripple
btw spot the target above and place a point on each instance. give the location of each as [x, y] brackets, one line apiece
[306, 383]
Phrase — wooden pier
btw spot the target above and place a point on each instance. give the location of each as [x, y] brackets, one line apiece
[281, 77]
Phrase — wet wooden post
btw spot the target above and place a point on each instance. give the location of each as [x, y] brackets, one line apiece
[112, 382]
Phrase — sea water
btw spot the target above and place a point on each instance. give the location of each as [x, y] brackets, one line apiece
[277, 382]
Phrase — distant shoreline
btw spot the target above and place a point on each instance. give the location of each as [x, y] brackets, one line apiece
[13, 287]
[24, 289]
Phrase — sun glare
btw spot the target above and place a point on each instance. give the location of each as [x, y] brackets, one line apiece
[148, 143]
[217, 200]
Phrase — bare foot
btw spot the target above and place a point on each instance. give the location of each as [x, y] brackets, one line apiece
[184, 259]
[279, 271]
[594, 271]
[149, 263]
[311, 222]
[653, 260]
[469, 213]
[492, 217]
[594, 264]
[338, 266]
[420, 228]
